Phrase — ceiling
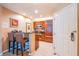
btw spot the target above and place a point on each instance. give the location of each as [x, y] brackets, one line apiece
[27, 9]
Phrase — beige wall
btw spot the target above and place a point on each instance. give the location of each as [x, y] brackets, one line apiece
[0, 32]
[33, 40]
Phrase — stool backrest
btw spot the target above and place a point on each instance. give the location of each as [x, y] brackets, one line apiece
[10, 36]
[19, 37]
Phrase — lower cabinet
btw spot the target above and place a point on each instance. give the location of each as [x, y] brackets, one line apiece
[36, 42]
[43, 37]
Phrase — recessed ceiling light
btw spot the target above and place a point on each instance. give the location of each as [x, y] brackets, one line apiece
[36, 11]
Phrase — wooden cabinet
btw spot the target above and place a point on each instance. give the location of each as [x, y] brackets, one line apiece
[49, 37]
[41, 33]
[46, 37]
[36, 42]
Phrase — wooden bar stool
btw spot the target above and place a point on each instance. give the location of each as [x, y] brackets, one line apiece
[19, 40]
[11, 41]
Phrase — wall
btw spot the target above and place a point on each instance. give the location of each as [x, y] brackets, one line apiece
[0, 32]
[50, 28]
[5, 24]
[32, 40]
[64, 23]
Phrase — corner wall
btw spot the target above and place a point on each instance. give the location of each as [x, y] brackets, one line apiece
[0, 31]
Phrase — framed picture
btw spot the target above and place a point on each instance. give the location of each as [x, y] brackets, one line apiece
[13, 22]
[28, 27]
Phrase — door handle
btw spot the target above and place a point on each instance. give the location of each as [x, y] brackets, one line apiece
[73, 35]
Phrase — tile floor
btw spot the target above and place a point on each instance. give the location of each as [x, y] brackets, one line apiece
[45, 49]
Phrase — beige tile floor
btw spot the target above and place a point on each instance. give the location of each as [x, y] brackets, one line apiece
[45, 49]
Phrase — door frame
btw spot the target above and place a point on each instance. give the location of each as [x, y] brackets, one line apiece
[77, 30]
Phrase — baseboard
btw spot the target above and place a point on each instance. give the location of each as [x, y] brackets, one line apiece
[3, 52]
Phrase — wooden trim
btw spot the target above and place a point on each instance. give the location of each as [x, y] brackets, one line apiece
[77, 30]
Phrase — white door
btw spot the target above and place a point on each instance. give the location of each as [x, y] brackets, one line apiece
[72, 30]
[64, 24]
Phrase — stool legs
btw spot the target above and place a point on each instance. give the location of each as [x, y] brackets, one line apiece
[17, 49]
[21, 50]
[9, 47]
[13, 46]
[24, 47]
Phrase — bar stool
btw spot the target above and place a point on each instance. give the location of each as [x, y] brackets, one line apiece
[19, 40]
[26, 45]
[11, 40]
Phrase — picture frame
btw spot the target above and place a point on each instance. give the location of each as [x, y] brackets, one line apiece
[13, 22]
[28, 27]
